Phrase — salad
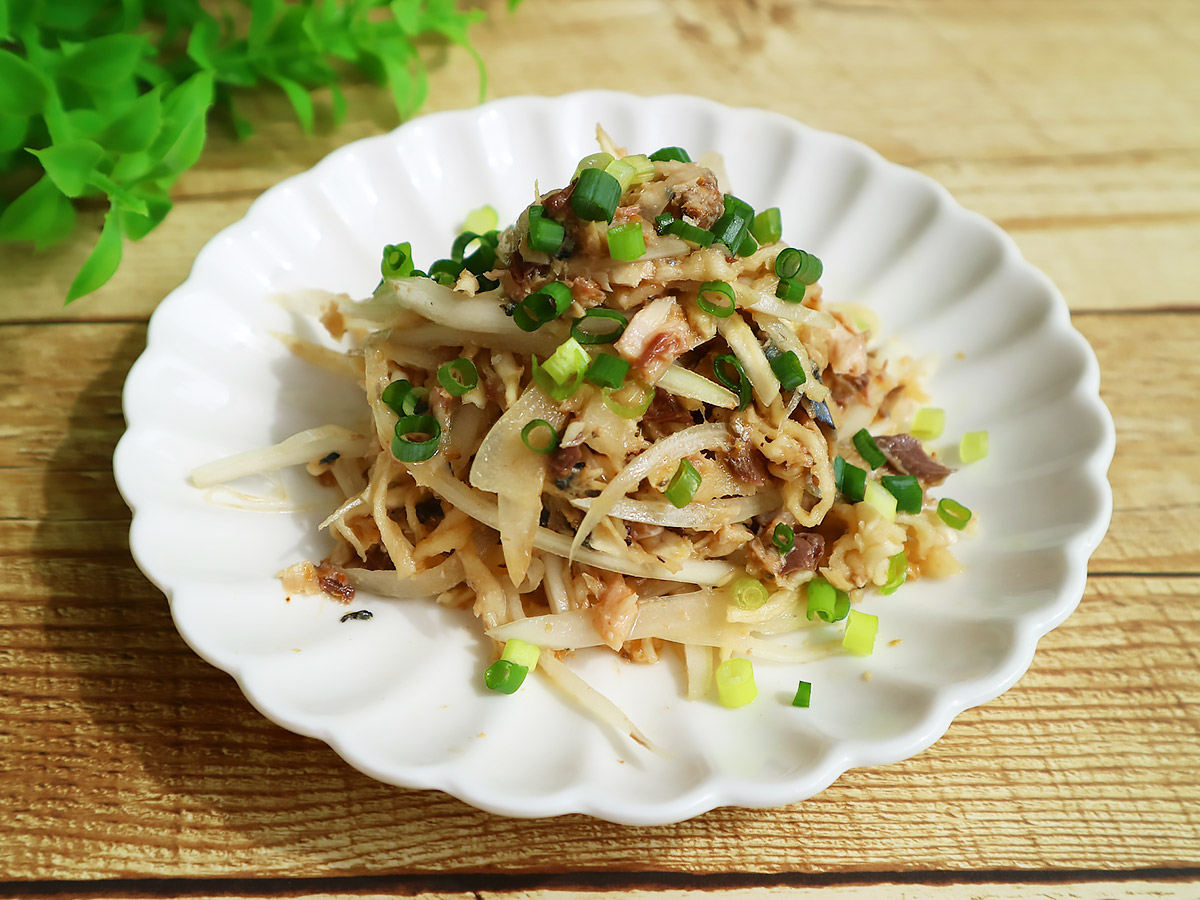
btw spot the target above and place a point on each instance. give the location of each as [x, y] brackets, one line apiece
[628, 420]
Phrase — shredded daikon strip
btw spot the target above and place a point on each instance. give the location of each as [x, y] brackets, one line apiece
[691, 440]
[686, 383]
[594, 702]
[301, 448]
[746, 348]
[478, 506]
[326, 357]
[785, 339]
[709, 516]
[421, 585]
[760, 301]
[698, 662]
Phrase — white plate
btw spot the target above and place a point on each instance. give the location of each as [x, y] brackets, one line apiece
[400, 696]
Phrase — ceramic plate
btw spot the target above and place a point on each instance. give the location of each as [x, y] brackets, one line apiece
[400, 696]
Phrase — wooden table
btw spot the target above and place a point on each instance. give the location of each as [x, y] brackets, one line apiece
[1075, 124]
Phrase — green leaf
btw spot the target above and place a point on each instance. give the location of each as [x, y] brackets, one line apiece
[300, 99]
[202, 43]
[71, 164]
[122, 197]
[262, 17]
[59, 227]
[105, 61]
[181, 139]
[337, 104]
[13, 130]
[70, 16]
[23, 90]
[134, 129]
[137, 225]
[102, 262]
[36, 215]
[5, 34]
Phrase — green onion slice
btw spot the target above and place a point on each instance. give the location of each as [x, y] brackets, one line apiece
[397, 260]
[788, 263]
[907, 491]
[480, 220]
[632, 410]
[748, 593]
[669, 154]
[504, 676]
[928, 423]
[861, 629]
[973, 446]
[406, 449]
[663, 222]
[953, 513]
[733, 225]
[458, 377]
[788, 369]
[622, 171]
[738, 382]
[607, 371]
[790, 290]
[402, 398]
[592, 161]
[854, 482]
[683, 484]
[868, 449]
[542, 306]
[446, 271]
[883, 500]
[643, 167]
[545, 235]
[839, 466]
[897, 572]
[521, 653]
[720, 309]
[735, 682]
[580, 328]
[546, 446]
[747, 246]
[551, 388]
[784, 539]
[596, 196]
[825, 602]
[626, 242]
[767, 226]
[569, 360]
[690, 232]
[803, 695]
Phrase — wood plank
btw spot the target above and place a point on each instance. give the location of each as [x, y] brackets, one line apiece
[1046, 119]
[61, 409]
[124, 755]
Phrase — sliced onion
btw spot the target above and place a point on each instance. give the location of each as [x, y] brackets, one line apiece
[708, 516]
[686, 383]
[761, 301]
[422, 585]
[593, 701]
[308, 445]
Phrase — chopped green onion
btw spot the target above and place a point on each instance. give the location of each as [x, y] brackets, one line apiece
[545, 235]
[796, 265]
[397, 260]
[504, 676]
[593, 161]
[784, 539]
[747, 246]
[735, 682]
[767, 226]
[839, 466]
[607, 371]
[558, 392]
[626, 242]
[928, 423]
[596, 196]
[683, 484]
[580, 327]
[568, 361]
[669, 154]
[790, 290]
[720, 309]
[868, 449]
[748, 593]
[405, 449]
[953, 513]
[825, 602]
[739, 385]
[973, 446]
[522, 653]
[542, 306]
[633, 410]
[663, 222]
[643, 167]
[446, 271]
[861, 629]
[880, 498]
[788, 369]
[731, 228]
[458, 377]
[461, 243]
[689, 232]
[622, 171]
[551, 442]
[402, 398]
[481, 220]
[482, 260]
[897, 572]
[854, 482]
[803, 695]
[907, 491]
